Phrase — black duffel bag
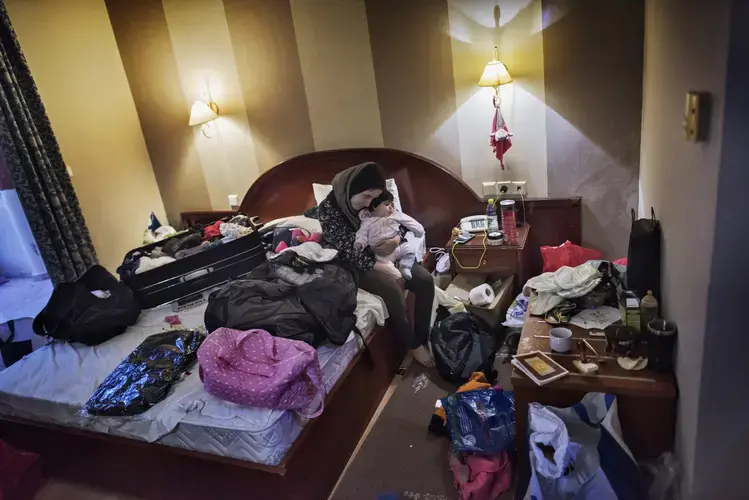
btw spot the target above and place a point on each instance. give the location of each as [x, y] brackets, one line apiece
[75, 314]
[462, 344]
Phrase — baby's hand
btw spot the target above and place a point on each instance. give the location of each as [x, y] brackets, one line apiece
[359, 245]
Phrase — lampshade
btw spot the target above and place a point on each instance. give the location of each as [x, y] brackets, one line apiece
[494, 75]
[202, 113]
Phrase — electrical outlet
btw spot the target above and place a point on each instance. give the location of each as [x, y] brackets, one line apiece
[504, 188]
[489, 189]
[520, 188]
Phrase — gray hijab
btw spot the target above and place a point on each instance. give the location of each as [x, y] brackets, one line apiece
[354, 180]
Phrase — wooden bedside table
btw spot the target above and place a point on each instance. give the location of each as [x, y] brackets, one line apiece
[501, 261]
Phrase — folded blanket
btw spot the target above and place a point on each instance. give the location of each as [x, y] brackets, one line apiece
[548, 290]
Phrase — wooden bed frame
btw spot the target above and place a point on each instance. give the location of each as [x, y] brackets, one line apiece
[428, 192]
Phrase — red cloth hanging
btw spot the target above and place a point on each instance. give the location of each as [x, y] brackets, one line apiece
[499, 139]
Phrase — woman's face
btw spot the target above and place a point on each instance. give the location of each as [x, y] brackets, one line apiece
[363, 199]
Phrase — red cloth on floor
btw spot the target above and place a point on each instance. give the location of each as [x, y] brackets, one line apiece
[481, 477]
[212, 231]
[499, 146]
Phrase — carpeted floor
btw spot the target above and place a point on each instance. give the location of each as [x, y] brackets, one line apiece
[398, 456]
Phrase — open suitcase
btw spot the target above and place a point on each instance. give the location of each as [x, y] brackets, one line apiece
[194, 274]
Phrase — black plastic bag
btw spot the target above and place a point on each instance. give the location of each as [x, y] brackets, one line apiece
[644, 256]
[143, 379]
[75, 314]
[462, 344]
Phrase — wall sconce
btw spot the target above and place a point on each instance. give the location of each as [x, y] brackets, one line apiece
[203, 114]
[494, 75]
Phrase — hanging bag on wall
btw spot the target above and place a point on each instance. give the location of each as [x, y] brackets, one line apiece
[644, 256]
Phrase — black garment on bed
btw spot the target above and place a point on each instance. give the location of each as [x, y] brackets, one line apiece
[143, 379]
[315, 312]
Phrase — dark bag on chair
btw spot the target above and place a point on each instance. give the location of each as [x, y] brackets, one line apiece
[75, 314]
[644, 256]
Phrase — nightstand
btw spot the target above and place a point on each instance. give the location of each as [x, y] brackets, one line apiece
[501, 261]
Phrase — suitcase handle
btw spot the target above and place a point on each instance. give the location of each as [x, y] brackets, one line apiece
[197, 274]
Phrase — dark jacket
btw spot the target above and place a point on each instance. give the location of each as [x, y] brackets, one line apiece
[340, 234]
[315, 312]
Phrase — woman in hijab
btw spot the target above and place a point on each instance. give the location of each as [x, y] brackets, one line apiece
[353, 190]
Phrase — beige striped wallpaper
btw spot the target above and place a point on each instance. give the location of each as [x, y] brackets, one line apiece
[294, 76]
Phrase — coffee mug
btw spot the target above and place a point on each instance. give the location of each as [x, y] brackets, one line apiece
[560, 339]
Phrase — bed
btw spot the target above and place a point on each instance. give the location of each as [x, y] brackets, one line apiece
[203, 458]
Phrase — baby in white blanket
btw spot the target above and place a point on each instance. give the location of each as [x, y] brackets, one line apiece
[382, 222]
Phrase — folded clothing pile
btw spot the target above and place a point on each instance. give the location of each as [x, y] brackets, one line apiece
[184, 244]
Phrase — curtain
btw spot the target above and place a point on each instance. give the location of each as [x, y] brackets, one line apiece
[34, 160]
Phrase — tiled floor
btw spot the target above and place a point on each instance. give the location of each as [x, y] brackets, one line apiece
[23, 298]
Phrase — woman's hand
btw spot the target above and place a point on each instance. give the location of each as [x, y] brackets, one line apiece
[386, 247]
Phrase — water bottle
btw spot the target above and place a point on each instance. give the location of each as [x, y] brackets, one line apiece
[492, 224]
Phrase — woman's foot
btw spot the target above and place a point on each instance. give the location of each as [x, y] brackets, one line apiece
[422, 356]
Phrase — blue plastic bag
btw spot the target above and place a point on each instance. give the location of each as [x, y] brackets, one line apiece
[482, 420]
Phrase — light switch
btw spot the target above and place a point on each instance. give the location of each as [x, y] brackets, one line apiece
[696, 112]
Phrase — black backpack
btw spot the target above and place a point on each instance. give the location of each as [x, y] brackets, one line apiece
[75, 314]
[644, 256]
[462, 345]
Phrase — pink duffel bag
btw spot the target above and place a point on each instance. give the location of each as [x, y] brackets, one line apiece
[254, 368]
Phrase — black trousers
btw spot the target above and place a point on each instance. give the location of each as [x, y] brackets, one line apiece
[389, 289]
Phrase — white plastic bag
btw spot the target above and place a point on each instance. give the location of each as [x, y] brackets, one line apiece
[578, 453]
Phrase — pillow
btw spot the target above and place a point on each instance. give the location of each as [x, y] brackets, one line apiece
[321, 191]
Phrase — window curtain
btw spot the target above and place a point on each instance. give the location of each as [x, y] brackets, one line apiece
[36, 166]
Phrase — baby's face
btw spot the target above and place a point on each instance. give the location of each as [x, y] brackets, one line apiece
[384, 209]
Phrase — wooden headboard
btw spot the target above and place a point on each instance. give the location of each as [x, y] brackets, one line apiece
[429, 192]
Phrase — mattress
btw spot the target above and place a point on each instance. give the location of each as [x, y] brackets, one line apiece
[52, 384]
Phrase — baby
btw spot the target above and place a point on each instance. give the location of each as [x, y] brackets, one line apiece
[383, 222]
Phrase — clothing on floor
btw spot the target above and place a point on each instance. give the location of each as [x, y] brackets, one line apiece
[388, 288]
[548, 290]
[481, 477]
[147, 263]
[438, 422]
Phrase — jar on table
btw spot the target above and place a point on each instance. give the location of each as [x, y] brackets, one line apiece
[509, 223]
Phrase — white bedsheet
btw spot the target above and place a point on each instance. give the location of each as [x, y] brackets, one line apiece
[54, 382]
